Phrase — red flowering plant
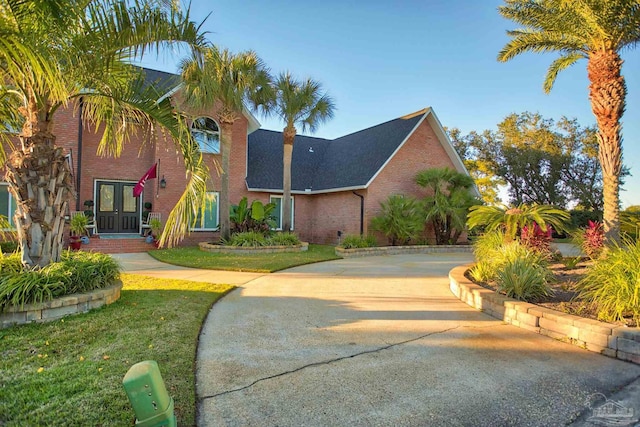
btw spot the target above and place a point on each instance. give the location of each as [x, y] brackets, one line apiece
[592, 241]
[537, 239]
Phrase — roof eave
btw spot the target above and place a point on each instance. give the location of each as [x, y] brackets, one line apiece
[309, 191]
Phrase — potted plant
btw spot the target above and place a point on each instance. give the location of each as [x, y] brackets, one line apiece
[156, 228]
[88, 212]
[78, 228]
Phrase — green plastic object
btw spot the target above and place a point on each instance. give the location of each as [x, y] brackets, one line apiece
[148, 395]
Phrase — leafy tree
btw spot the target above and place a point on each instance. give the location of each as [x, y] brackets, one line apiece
[297, 103]
[401, 219]
[57, 52]
[512, 220]
[447, 204]
[596, 30]
[217, 75]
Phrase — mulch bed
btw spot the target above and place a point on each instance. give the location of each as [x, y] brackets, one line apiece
[565, 296]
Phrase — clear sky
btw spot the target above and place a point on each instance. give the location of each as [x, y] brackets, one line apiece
[380, 60]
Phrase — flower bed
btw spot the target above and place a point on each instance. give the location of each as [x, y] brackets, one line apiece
[60, 307]
[399, 250]
[605, 338]
[240, 250]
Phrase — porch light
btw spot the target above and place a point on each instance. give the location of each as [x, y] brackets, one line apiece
[163, 182]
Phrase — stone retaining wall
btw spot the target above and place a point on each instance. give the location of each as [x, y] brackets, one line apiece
[239, 250]
[60, 307]
[605, 338]
[400, 250]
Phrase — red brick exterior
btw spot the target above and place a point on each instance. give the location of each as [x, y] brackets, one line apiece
[318, 217]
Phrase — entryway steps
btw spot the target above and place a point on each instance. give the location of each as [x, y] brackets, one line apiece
[117, 246]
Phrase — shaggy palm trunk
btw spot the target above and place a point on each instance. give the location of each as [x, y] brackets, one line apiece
[226, 137]
[607, 93]
[40, 181]
[289, 136]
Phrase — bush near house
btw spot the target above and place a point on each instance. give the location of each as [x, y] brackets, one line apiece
[401, 220]
[355, 241]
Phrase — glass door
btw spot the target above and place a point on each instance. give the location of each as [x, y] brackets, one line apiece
[117, 210]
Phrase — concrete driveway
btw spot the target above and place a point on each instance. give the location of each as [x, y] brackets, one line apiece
[381, 341]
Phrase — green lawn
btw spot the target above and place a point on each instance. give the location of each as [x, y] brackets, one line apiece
[192, 256]
[70, 372]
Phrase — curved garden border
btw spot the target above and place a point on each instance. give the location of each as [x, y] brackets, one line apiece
[60, 307]
[611, 340]
[400, 250]
[240, 250]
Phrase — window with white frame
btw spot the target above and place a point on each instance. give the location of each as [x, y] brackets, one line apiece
[207, 134]
[208, 218]
[7, 203]
[277, 212]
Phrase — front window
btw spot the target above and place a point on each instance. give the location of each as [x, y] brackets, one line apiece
[207, 134]
[208, 218]
[7, 204]
[277, 212]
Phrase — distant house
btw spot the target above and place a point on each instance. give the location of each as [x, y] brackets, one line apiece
[337, 185]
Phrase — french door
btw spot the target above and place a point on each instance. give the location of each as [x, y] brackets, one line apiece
[117, 210]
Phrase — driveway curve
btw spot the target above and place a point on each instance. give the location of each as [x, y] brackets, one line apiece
[381, 341]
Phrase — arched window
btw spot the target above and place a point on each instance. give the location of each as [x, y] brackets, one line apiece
[207, 134]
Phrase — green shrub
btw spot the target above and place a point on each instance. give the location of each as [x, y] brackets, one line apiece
[75, 273]
[283, 239]
[612, 285]
[8, 246]
[523, 276]
[401, 219]
[483, 272]
[354, 241]
[247, 239]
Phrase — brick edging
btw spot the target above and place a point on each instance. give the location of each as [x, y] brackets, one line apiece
[605, 338]
[59, 307]
[240, 250]
[400, 250]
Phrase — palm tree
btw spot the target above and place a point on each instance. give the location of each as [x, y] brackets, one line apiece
[512, 220]
[59, 53]
[449, 202]
[297, 103]
[597, 30]
[218, 75]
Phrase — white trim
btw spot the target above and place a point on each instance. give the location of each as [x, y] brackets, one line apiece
[329, 190]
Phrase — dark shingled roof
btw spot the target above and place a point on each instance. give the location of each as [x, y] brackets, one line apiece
[322, 165]
[162, 82]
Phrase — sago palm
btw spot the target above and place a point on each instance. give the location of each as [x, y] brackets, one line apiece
[512, 220]
[61, 53]
[217, 75]
[297, 103]
[596, 30]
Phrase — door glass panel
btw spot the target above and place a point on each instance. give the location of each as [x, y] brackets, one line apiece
[128, 201]
[106, 198]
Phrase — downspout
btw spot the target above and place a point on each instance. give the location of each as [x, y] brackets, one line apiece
[79, 166]
[361, 212]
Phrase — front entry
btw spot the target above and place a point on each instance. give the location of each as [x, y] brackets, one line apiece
[117, 210]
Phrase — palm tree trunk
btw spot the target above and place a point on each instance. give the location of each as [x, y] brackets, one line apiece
[607, 93]
[226, 136]
[40, 181]
[289, 136]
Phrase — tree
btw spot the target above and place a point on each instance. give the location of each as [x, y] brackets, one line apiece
[448, 203]
[297, 103]
[217, 75]
[56, 52]
[597, 30]
[512, 220]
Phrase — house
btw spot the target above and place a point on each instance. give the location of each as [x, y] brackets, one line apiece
[337, 185]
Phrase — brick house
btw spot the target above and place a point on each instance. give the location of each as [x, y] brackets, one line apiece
[337, 185]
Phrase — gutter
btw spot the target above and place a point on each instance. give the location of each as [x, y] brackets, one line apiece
[361, 212]
[79, 165]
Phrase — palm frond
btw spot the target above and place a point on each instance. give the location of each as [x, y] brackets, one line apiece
[558, 65]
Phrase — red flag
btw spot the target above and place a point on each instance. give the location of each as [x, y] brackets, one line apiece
[151, 173]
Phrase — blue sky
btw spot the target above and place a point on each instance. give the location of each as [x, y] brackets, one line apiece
[383, 59]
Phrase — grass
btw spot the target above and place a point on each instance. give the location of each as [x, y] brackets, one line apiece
[192, 256]
[70, 372]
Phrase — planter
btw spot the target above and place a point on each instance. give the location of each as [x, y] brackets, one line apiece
[247, 250]
[75, 242]
[400, 250]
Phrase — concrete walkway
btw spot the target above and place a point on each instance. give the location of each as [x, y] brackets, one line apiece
[381, 341]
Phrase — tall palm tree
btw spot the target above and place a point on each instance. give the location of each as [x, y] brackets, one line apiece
[597, 30]
[59, 53]
[218, 75]
[297, 103]
[449, 202]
